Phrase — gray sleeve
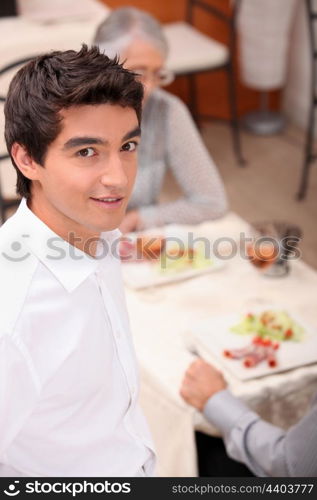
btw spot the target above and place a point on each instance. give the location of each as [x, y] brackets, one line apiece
[267, 450]
[197, 175]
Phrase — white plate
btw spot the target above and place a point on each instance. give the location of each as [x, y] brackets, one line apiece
[138, 275]
[214, 335]
[144, 275]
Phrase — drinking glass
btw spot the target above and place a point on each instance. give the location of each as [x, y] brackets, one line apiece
[263, 247]
[271, 246]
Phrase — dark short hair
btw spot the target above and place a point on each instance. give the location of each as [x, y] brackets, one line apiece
[56, 81]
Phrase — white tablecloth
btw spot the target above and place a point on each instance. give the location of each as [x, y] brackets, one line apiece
[160, 319]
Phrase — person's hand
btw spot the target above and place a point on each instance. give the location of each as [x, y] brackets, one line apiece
[130, 222]
[201, 381]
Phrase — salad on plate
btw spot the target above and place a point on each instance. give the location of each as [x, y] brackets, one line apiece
[269, 329]
[175, 260]
[271, 324]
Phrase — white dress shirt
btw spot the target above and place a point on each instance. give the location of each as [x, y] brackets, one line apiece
[68, 379]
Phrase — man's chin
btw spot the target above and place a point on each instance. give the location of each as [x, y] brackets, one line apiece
[109, 222]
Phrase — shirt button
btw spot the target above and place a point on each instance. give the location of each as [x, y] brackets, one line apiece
[133, 390]
[118, 334]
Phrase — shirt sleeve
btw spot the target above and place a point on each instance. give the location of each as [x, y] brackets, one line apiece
[196, 173]
[18, 390]
[267, 450]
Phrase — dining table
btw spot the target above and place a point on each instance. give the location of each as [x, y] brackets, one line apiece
[163, 320]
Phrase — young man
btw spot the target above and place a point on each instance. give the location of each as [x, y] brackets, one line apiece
[68, 379]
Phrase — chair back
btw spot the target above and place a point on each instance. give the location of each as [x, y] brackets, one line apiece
[228, 18]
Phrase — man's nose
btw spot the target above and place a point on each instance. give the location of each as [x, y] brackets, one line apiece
[114, 174]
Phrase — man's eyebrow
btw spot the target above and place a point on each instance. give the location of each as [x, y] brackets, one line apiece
[74, 142]
[134, 133]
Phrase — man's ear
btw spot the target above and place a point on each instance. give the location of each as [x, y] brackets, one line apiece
[25, 163]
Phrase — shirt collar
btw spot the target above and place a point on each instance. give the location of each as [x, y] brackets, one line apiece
[67, 263]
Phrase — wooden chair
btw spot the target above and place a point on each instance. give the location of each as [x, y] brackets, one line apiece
[192, 53]
[309, 154]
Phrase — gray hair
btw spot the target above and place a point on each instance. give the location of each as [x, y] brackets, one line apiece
[124, 25]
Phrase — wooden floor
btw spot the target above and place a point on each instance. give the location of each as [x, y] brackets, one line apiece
[266, 187]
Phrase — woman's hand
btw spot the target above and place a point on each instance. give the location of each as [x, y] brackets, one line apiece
[130, 222]
[201, 381]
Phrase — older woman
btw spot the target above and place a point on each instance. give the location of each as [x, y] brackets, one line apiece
[170, 139]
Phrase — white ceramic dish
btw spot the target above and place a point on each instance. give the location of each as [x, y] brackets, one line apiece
[139, 275]
[214, 335]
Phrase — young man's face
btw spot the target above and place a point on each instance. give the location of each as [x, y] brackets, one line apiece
[89, 170]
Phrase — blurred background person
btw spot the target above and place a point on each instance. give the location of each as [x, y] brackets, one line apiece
[266, 449]
[170, 139]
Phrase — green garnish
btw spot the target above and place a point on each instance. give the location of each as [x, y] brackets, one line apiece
[172, 262]
[276, 325]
